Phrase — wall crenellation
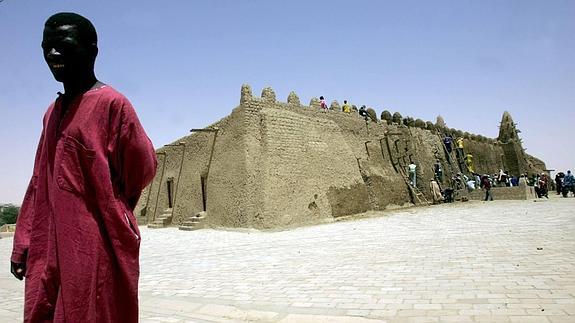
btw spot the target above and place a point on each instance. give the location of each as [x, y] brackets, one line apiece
[293, 100]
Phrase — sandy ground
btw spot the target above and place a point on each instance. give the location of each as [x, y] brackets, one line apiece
[501, 261]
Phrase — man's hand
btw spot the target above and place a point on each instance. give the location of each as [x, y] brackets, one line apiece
[18, 270]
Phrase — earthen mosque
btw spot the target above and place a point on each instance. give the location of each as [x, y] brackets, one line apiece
[273, 165]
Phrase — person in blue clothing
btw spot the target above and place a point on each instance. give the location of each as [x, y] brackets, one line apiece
[448, 141]
[568, 183]
[569, 179]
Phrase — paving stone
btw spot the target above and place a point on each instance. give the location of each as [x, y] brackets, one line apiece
[449, 263]
[299, 318]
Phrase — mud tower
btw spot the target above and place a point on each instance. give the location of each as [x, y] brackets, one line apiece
[515, 159]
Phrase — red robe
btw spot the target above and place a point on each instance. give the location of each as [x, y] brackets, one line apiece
[76, 231]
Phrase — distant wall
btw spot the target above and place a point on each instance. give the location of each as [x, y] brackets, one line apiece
[505, 193]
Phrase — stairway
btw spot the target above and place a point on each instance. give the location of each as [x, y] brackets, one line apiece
[193, 222]
[162, 221]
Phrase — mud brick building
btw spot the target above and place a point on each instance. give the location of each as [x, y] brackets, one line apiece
[272, 164]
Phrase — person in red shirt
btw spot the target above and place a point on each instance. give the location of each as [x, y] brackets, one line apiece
[77, 241]
[486, 185]
[322, 103]
[543, 185]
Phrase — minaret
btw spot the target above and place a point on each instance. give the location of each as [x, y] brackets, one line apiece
[439, 122]
[507, 129]
[514, 155]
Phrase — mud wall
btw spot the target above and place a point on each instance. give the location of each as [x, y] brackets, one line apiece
[505, 193]
[231, 197]
[154, 199]
[276, 164]
[300, 157]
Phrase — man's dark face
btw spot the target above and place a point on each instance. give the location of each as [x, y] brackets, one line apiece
[68, 57]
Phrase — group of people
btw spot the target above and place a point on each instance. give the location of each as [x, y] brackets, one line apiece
[541, 185]
[346, 107]
[565, 183]
[463, 159]
[458, 182]
[465, 164]
[461, 181]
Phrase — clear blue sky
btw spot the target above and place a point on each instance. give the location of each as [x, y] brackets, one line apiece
[182, 64]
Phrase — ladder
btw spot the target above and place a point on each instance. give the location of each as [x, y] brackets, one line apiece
[460, 160]
[419, 196]
[415, 191]
[450, 163]
[449, 157]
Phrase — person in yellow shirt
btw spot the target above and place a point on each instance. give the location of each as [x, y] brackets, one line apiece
[469, 163]
[459, 149]
[346, 107]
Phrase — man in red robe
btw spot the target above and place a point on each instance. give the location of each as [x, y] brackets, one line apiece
[77, 241]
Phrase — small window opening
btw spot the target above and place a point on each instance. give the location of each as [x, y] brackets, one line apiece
[170, 184]
[203, 184]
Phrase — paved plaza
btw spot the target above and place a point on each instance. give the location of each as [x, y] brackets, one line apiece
[501, 261]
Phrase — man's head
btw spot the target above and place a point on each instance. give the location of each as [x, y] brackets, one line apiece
[70, 46]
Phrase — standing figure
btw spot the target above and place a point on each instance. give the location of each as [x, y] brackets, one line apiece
[522, 181]
[346, 107]
[502, 178]
[470, 184]
[448, 143]
[77, 241]
[536, 185]
[568, 184]
[469, 163]
[543, 185]
[486, 185]
[459, 149]
[559, 182]
[322, 103]
[412, 174]
[363, 112]
[435, 191]
[438, 171]
[458, 180]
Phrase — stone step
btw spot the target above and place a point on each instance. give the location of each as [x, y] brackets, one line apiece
[189, 223]
[162, 221]
[188, 228]
[193, 222]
